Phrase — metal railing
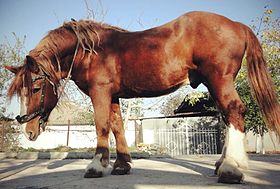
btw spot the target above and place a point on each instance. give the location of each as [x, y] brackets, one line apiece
[188, 140]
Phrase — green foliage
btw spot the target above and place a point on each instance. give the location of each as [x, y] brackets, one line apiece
[10, 54]
[8, 135]
[267, 30]
[194, 97]
[174, 101]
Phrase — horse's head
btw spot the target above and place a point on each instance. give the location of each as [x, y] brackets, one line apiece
[37, 95]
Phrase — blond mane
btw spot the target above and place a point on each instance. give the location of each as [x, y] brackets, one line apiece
[47, 52]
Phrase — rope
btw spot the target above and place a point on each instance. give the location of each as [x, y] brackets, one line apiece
[69, 75]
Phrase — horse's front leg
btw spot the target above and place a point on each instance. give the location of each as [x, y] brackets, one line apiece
[121, 166]
[100, 165]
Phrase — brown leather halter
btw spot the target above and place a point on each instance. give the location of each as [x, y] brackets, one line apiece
[41, 112]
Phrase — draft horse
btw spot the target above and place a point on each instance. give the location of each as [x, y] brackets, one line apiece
[108, 63]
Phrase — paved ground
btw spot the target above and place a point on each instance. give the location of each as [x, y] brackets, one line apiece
[182, 172]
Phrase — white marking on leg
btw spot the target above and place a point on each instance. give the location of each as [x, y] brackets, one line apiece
[235, 150]
[96, 165]
[234, 157]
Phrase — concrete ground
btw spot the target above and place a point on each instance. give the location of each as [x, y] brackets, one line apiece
[153, 173]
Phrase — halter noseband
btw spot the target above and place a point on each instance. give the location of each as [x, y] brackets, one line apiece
[41, 112]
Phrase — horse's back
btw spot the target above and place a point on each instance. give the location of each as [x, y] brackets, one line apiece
[158, 60]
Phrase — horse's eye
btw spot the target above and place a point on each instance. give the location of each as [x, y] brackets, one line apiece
[35, 90]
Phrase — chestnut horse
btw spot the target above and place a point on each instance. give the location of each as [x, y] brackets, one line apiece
[108, 63]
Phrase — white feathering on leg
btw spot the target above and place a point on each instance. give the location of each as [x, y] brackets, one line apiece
[235, 147]
[96, 164]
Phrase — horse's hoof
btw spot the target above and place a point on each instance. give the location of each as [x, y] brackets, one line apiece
[121, 168]
[120, 171]
[95, 169]
[231, 177]
[93, 173]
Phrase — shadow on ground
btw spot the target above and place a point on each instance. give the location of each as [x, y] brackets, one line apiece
[145, 174]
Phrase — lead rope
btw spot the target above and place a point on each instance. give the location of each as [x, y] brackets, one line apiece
[69, 75]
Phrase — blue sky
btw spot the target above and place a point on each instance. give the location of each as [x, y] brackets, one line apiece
[34, 18]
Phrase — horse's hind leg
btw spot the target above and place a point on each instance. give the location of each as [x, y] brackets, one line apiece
[121, 165]
[234, 155]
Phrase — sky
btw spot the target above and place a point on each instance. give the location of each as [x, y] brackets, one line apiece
[34, 18]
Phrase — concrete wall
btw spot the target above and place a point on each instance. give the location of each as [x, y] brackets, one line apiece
[54, 136]
[81, 136]
[253, 143]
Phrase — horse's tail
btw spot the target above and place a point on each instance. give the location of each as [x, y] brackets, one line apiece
[261, 83]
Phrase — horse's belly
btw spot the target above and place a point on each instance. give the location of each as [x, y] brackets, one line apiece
[151, 88]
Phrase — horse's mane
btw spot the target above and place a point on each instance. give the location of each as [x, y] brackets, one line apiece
[47, 52]
[22, 79]
[87, 34]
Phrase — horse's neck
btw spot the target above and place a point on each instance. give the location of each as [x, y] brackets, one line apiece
[66, 64]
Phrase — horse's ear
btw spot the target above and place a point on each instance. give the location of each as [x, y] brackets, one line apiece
[13, 69]
[31, 64]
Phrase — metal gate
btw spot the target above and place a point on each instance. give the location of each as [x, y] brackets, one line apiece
[189, 140]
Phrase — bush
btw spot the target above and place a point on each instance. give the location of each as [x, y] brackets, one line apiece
[9, 135]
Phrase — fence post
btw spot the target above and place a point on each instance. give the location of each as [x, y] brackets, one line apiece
[138, 133]
[219, 134]
[3, 135]
[68, 131]
[187, 139]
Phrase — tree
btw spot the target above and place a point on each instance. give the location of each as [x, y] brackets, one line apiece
[131, 109]
[171, 103]
[267, 30]
[10, 54]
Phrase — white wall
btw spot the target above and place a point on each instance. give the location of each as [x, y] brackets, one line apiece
[130, 134]
[270, 141]
[85, 136]
[79, 137]
[54, 136]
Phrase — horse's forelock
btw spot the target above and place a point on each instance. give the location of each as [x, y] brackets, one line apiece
[22, 79]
